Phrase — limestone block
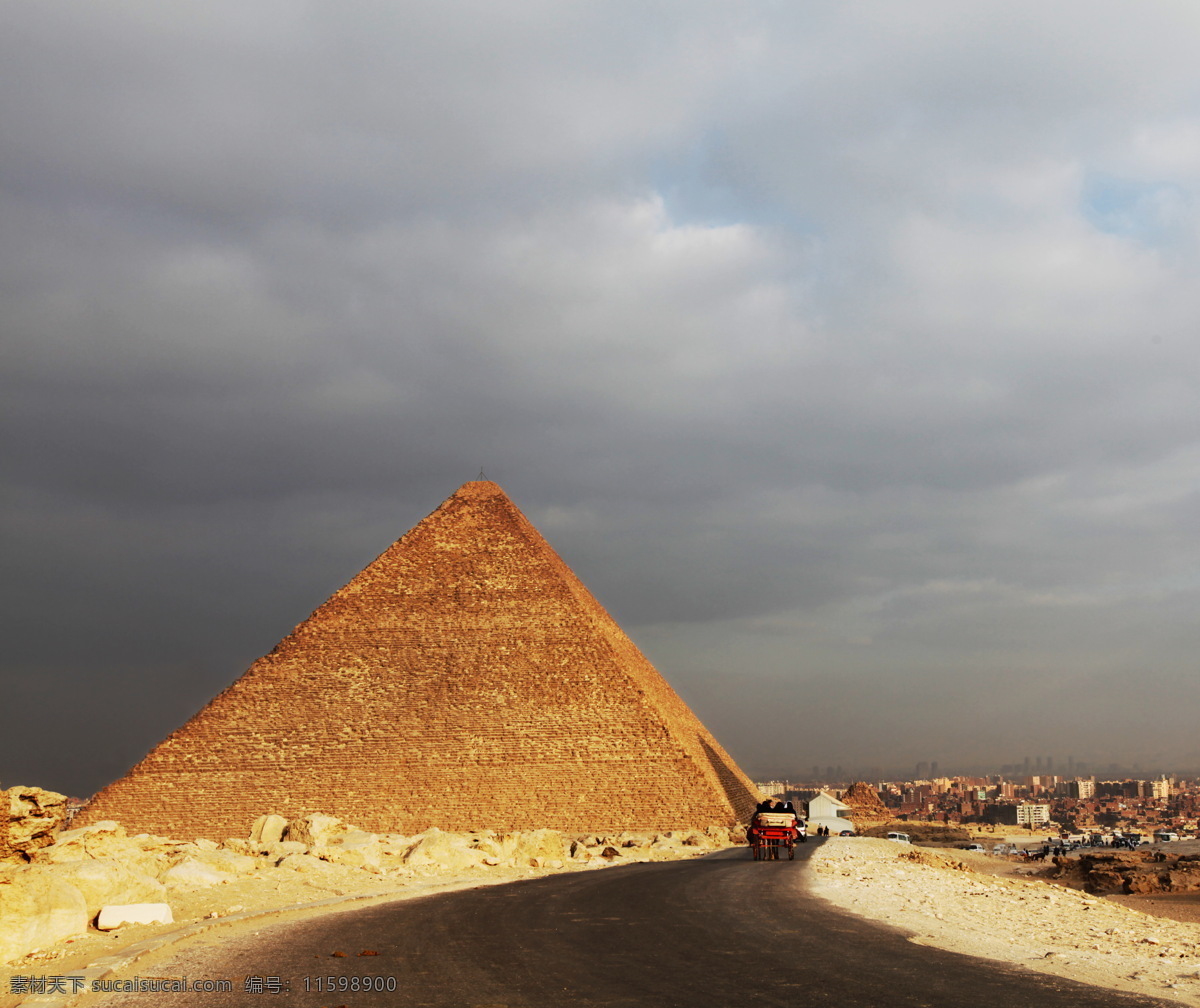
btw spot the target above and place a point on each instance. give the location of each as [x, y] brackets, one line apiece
[544, 843]
[111, 917]
[103, 881]
[224, 864]
[268, 829]
[37, 910]
[104, 839]
[30, 818]
[283, 848]
[190, 874]
[316, 829]
[449, 850]
[355, 849]
[306, 864]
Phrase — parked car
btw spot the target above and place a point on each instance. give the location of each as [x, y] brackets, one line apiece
[975, 847]
[899, 837]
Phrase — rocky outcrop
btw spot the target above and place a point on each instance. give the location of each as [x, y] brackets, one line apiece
[71, 882]
[866, 807]
[37, 909]
[30, 818]
[1132, 871]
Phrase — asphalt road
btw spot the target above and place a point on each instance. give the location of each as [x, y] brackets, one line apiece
[719, 931]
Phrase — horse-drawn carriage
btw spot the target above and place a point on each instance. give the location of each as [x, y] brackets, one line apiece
[773, 832]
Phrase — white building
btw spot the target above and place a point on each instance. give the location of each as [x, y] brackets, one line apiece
[825, 810]
[1029, 814]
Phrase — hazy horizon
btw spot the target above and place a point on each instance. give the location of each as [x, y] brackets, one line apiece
[849, 355]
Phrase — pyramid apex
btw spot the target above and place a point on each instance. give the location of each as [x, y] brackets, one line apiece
[480, 488]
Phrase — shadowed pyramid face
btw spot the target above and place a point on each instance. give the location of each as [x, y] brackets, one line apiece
[465, 679]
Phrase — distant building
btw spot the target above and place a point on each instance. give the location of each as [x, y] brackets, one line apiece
[825, 810]
[1030, 814]
[773, 788]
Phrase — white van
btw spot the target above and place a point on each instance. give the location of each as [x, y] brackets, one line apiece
[1165, 836]
[899, 837]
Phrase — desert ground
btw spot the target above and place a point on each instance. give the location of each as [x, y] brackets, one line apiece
[995, 908]
[965, 902]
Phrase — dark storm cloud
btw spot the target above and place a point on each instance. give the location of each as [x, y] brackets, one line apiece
[849, 356]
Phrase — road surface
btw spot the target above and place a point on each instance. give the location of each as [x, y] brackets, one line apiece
[719, 931]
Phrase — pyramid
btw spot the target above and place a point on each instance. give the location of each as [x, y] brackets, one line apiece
[465, 679]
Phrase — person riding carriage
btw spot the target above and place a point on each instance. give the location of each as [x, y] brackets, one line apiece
[775, 825]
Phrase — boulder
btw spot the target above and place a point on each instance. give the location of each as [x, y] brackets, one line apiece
[103, 881]
[36, 910]
[446, 850]
[1184, 879]
[306, 864]
[195, 868]
[111, 917]
[268, 829]
[354, 849]
[104, 839]
[283, 848]
[1142, 882]
[30, 819]
[316, 829]
[549, 845]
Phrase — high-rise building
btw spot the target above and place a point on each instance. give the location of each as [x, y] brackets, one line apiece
[1030, 814]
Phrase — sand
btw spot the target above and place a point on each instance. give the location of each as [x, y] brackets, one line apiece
[989, 907]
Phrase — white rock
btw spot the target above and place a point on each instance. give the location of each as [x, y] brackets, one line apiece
[134, 913]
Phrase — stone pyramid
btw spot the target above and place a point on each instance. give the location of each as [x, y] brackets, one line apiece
[465, 679]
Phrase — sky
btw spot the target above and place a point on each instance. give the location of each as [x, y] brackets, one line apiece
[849, 353]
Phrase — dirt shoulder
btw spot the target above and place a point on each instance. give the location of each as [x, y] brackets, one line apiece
[238, 907]
[988, 907]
